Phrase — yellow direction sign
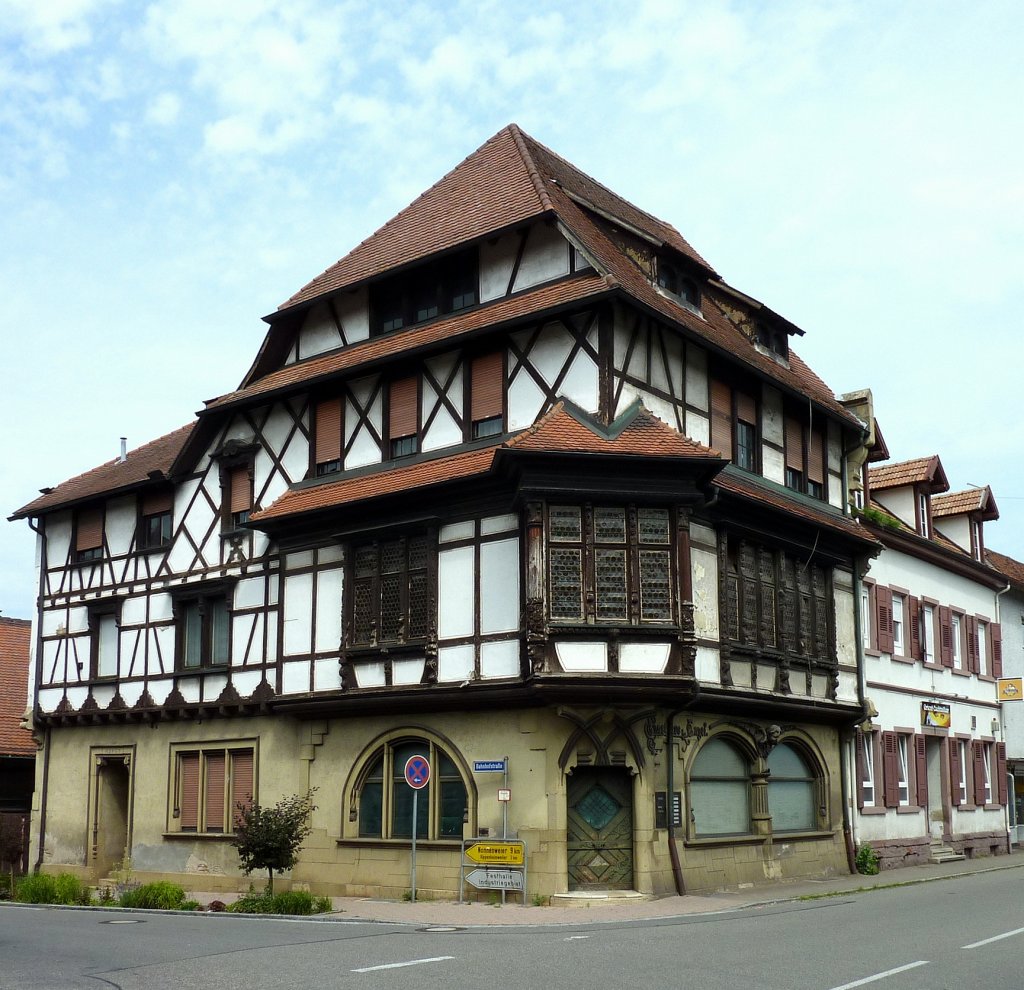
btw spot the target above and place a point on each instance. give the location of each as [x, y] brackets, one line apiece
[496, 853]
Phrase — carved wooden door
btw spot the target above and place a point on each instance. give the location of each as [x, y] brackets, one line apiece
[600, 829]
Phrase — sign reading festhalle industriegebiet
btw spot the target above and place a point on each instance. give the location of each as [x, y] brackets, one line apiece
[935, 714]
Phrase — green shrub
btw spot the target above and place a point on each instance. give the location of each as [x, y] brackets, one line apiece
[289, 902]
[191, 906]
[867, 861]
[160, 896]
[44, 888]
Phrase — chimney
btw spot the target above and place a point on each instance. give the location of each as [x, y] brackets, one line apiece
[124, 450]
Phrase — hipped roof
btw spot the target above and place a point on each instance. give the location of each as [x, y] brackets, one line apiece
[921, 470]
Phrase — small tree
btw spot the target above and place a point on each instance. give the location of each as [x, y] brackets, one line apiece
[270, 838]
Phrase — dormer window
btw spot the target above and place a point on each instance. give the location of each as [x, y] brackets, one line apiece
[923, 518]
[977, 547]
[775, 340]
[425, 292]
[672, 280]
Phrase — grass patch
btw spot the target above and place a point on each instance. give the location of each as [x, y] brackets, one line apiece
[44, 888]
[162, 895]
[299, 902]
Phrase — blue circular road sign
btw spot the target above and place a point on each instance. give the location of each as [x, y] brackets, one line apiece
[417, 772]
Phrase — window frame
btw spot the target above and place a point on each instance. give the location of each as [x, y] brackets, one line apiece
[144, 542]
[232, 752]
[203, 598]
[109, 608]
[94, 552]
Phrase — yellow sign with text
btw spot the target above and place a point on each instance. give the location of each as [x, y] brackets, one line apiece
[1010, 688]
[496, 853]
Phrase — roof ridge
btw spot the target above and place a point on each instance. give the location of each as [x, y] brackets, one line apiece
[531, 165]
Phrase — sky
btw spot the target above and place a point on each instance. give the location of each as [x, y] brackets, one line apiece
[170, 172]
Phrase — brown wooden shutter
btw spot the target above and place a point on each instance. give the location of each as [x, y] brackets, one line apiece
[863, 741]
[996, 649]
[487, 380]
[945, 636]
[816, 457]
[215, 772]
[746, 408]
[921, 760]
[916, 649]
[402, 415]
[883, 606]
[891, 769]
[188, 782]
[721, 418]
[241, 782]
[954, 770]
[156, 502]
[328, 431]
[89, 531]
[1000, 771]
[794, 444]
[978, 752]
[972, 644]
[241, 489]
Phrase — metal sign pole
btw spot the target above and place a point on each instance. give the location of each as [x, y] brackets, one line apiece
[504, 815]
[415, 796]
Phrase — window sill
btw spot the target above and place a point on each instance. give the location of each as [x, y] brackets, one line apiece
[872, 810]
[202, 836]
[357, 654]
[908, 809]
[900, 658]
[145, 551]
[872, 653]
[562, 628]
[206, 668]
[371, 843]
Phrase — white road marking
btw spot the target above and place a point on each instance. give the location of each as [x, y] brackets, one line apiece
[882, 976]
[994, 938]
[402, 965]
[573, 938]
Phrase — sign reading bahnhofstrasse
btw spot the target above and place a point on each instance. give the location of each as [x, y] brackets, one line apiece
[497, 854]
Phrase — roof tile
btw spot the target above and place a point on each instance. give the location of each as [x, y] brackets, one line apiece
[912, 472]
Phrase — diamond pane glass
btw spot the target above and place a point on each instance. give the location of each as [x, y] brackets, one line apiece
[597, 808]
[365, 561]
[565, 524]
[610, 525]
[610, 567]
[391, 557]
[655, 581]
[417, 605]
[566, 584]
[390, 607]
[362, 610]
[653, 525]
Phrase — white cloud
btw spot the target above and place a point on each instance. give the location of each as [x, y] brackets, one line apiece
[49, 26]
[164, 109]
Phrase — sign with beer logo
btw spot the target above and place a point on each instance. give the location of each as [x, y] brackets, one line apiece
[1010, 688]
[934, 714]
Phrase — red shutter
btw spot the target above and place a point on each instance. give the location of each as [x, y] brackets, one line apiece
[996, 649]
[328, 431]
[953, 748]
[921, 755]
[157, 502]
[891, 769]
[403, 418]
[89, 532]
[721, 418]
[972, 644]
[945, 636]
[978, 752]
[188, 782]
[872, 617]
[863, 740]
[241, 782]
[1000, 772]
[816, 457]
[883, 606]
[746, 408]
[241, 489]
[215, 769]
[794, 433]
[915, 628]
[487, 380]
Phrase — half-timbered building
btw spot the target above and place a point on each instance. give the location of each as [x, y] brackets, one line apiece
[519, 479]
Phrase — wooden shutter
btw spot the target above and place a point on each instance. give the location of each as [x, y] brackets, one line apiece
[89, 532]
[916, 649]
[816, 457]
[978, 753]
[746, 408]
[188, 783]
[157, 502]
[996, 649]
[241, 782]
[402, 413]
[891, 769]
[953, 748]
[945, 636]
[1000, 771]
[328, 431]
[794, 444]
[241, 489]
[721, 418]
[883, 607]
[215, 773]
[487, 380]
[972, 644]
[863, 741]
[921, 768]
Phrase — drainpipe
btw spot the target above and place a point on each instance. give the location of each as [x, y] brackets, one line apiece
[848, 752]
[1002, 736]
[40, 532]
[673, 852]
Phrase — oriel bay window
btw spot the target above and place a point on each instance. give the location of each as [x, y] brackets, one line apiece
[610, 564]
[382, 800]
[209, 785]
[390, 597]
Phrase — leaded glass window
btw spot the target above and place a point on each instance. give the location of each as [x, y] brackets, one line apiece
[390, 592]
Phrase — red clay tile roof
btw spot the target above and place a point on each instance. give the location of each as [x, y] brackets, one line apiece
[15, 635]
[451, 328]
[922, 469]
[115, 475]
[891, 521]
[502, 183]
[1012, 570]
[961, 503]
[561, 430]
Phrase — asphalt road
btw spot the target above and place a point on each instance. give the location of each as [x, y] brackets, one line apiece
[964, 933]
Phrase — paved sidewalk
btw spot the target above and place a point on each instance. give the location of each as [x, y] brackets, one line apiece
[451, 913]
